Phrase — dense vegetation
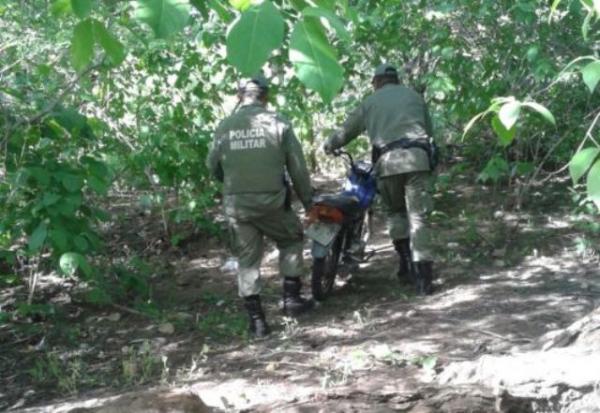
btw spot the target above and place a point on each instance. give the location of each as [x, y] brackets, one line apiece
[105, 100]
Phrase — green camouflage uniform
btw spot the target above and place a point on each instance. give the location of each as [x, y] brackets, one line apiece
[251, 152]
[391, 113]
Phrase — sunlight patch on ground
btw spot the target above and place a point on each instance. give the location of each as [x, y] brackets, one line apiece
[242, 393]
[451, 298]
[204, 263]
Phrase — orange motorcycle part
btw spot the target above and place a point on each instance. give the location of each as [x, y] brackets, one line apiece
[325, 213]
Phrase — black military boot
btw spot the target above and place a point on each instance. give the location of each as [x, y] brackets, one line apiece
[405, 269]
[258, 324]
[423, 277]
[293, 303]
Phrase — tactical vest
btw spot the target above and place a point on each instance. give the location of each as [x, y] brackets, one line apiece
[252, 156]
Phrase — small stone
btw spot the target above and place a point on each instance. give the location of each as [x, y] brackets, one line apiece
[114, 317]
[499, 263]
[499, 214]
[184, 316]
[271, 367]
[452, 245]
[499, 253]
[411, 313]
[166, 328]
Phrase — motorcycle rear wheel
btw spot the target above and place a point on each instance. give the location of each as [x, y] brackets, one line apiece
[325, 269]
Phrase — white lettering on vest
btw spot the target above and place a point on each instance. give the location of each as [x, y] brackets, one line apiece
[239, 145]
[242, 139]
[246, 133]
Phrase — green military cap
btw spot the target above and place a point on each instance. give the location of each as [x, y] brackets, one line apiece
[255, 82]
[385, 69]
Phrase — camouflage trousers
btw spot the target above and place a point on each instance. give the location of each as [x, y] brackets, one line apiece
[407, 203]
[281, 226]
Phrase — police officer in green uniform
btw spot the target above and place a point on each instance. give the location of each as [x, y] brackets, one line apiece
[397, 122]
[251, 153]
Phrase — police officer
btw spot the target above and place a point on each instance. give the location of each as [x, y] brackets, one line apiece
[251, 153]
[399, 127]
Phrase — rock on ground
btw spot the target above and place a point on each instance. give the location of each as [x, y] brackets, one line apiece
[562, 376]
[151, 401]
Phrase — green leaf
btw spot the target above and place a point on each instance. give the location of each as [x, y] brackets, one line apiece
[37, 238]
[581, 162]
[315, 61]
[523, 168]
[59, 239]
[201, 6]
[506, 136]
[221, 10]
[327, 4]
[61, 7]
[98, 296]
[112, 46]
[591, 75]
[50, 198]
[472, 122]
[40, 175]
[509, 113]
[81, 243]
[555, 4]
[99, 186]
[299, 4]
[82, 44]
[82, 8]
[252, 37]
[593, 184]
[165, 17]
[70, 262]
[72, 183]
[496, 169]
[240, 4]
[333, 20]
[532, 53]
[546, 114]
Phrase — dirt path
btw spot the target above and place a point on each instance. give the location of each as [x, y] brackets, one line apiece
[374, 346]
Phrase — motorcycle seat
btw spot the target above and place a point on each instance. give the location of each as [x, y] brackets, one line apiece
[348, 204]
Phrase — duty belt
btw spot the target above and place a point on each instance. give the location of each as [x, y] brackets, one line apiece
[405, 143]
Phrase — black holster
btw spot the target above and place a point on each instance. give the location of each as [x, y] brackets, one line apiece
[287, 204]
[427, 144]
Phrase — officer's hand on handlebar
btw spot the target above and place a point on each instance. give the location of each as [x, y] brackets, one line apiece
[329, 150]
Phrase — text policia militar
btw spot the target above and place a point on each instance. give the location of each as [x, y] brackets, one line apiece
[241, 139]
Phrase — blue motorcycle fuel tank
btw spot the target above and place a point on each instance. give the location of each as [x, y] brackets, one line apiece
[361, 184]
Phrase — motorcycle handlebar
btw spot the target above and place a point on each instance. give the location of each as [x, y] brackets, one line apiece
[341, 152]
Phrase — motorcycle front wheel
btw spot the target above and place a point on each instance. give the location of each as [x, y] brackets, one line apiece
[325, 269]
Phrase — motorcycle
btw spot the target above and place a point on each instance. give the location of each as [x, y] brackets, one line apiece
[340, 226]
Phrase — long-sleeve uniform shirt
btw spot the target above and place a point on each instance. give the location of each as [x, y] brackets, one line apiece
[390, 113]
[251, 152]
